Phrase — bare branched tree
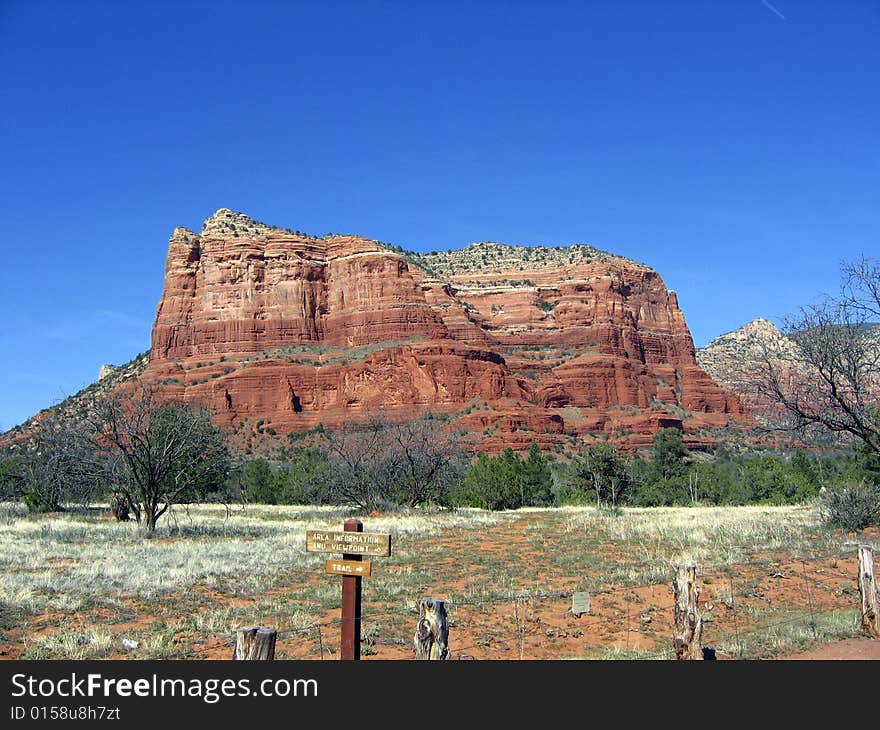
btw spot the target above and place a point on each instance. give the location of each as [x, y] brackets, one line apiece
[391, 464]
[54, 467]
[831, 380]
[430, 460]
[359, 465]
[162, 452]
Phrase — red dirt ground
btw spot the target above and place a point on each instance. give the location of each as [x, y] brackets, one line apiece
[621, 618]
[842, 650]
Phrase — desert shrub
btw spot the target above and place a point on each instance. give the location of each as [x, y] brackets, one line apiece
[55, 467]
[305, 479]
[493, 483]
[40, 499]
[11, 481]
[507, 481]
[259, 482]
[600, 471]
[384, 465]
[299, 475]
[851, 505]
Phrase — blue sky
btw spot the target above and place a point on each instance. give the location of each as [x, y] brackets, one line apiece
[733, 146]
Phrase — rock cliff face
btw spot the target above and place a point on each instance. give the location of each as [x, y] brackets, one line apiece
[517, 343]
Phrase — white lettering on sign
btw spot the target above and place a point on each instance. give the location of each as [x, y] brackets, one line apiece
[353, 543]
[348, 567]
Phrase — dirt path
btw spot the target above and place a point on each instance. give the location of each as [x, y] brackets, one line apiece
[839, 650]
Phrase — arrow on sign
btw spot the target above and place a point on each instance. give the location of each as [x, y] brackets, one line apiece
[358, 568]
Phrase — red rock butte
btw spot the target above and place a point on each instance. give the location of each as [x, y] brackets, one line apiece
[512, 343]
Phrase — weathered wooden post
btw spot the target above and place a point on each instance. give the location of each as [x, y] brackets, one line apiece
[350, 644]
[353, 543]
[255, 643]
[688, 629]
[868, 592]
[432, 631]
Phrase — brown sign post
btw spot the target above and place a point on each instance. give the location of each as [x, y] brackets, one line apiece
[353, 543]
[350, 645]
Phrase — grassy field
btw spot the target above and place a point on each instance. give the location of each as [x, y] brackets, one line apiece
[76, 584]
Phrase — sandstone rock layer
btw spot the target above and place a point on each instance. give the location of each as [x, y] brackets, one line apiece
[270, 326]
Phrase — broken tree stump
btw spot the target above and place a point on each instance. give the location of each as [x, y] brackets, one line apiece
[255, 643]
[688, 627]
[432, 631]
[119, 508]
[868, 592]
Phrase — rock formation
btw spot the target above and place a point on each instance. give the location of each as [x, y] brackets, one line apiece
[106, 371]
[737, 362]
[271, 326]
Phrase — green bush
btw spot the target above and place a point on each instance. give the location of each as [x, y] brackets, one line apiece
[600, 471]
[507, 481]
[305, 479]
[298, 476]
[259, 483]
[852, 506]
[42, 500]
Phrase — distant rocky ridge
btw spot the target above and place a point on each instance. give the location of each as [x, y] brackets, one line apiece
[749, 341]
[736, 361]
[488, 257]
[110, 377]
[277, 332]
[106, 370]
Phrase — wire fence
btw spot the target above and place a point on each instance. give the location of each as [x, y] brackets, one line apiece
[772, 609]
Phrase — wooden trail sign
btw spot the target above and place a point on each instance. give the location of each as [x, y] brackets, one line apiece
[359, 568]
[353, 543]
[348, 542]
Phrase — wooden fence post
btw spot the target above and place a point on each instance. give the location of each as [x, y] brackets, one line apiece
[868, 592]
[688, 629]
[432, 631]
[255, 643]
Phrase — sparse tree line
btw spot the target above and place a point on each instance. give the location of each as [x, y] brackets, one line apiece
[135, 450]
[144, 455]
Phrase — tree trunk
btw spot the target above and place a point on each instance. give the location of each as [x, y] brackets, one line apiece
[255, 643]
[868, 592]
[119, 508]
[688, 629]
[432, 631]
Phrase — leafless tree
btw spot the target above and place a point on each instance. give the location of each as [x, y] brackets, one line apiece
[161, 452]
[430, 458]
[358, 465]
[53, 467]
[831, 380]
[390, 464]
